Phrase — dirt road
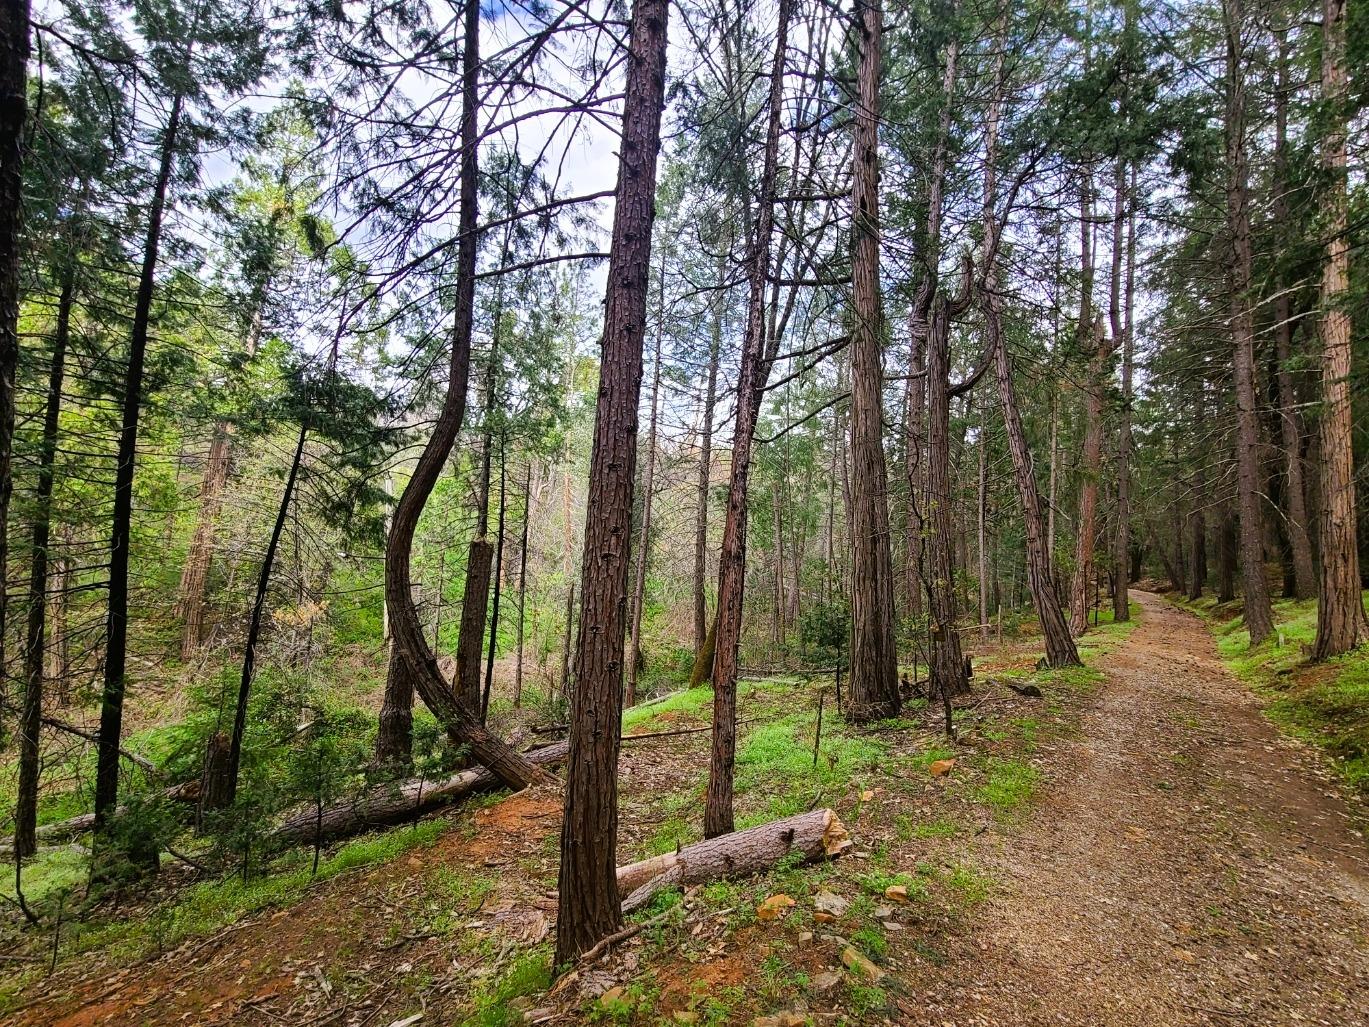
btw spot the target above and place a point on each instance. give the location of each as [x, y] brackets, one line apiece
[1189, 866]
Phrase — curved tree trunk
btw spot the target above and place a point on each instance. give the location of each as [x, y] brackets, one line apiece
[458, 718]
[588, 907]
[874, 691]
[1060, 649]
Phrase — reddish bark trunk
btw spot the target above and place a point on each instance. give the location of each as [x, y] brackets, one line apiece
[873, 691]
[752, 377]
[1341, 623]
[588, 908]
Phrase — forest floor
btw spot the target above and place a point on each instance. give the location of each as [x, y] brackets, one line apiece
[1138, 846]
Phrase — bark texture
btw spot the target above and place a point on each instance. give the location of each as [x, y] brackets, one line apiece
[1259, 615]
[397, 803]
[1341, 621]
[873, 691]
[812, 836]
[757, 355]
[588, 907]
[14, 55]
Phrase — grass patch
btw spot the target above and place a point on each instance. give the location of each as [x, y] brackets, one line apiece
[776, 759]
[1008, 784]
[1326, 705]
[213, 905]
[530, 974]
[690, 703]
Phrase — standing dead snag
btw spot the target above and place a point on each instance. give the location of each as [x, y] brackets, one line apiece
[410, 645]
[588, 906]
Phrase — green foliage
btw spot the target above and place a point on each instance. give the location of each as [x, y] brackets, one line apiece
[529, 974]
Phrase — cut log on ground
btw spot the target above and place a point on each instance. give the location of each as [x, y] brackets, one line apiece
[815, 836]
[390, 804]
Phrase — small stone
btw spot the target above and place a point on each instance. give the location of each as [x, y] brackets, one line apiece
[830, 903]
[856, 961]
[827, 980]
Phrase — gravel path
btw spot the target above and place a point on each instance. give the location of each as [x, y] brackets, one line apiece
[1187, 866]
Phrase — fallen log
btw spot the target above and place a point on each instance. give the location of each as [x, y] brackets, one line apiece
[390, 804]
[66, 830]
[815, 836]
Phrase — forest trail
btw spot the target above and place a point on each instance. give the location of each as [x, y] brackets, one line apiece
[1192, 867]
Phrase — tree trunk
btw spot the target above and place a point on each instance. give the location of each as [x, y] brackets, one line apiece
[588, 908]
[1341, 621]
[116, 627]
[394, 804]
[522, 589]
[1122, 329]
[648, 493]
[30, 719]
[229, 790]
[948, 676]
[1226, 558]
[195, 573]
[1091, 472]
[982, 514]
[14, 55]
[1060, 649]
[1290, 427]
[1259, 615]
[1197, 548]
[456, 716]
[498, 583]
[702, 625]
[475, 600]
[757, 356]
[874, 691]
[567, 657]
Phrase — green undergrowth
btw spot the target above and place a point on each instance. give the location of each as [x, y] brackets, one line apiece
[210, 906]
[1324, 704]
